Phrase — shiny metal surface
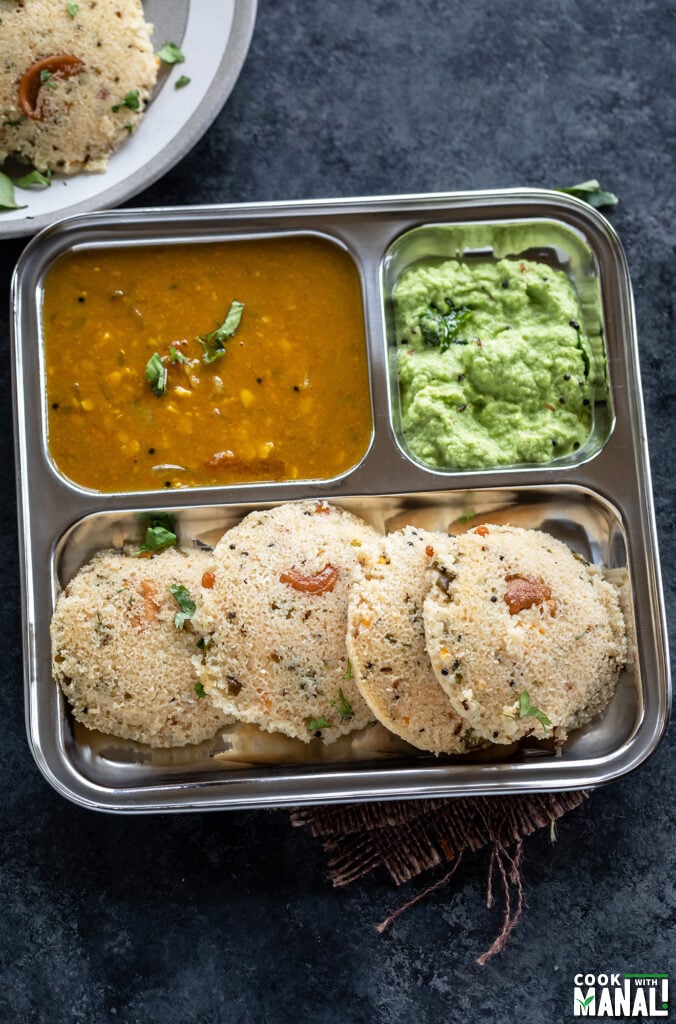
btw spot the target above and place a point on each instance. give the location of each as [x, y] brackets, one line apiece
[600, 504]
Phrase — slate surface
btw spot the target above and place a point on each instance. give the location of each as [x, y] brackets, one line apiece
[228, 917]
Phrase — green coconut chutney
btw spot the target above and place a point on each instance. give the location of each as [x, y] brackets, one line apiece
[494, 366]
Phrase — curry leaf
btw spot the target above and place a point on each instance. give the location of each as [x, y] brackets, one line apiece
[34, 178]
[592, 193]
[7, 200]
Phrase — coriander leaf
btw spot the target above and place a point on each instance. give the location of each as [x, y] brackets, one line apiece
[34, 178]
[343, 706]
[131, 101]
[213, 343]
[72, 9]
[528, 710]
[316, 724]
[176, 356]
[46, 78]
[592, 193]
[157, 539]
[7, 200]
[439, 329]
[156, 374]
[170, 54]
[164, 519]
[181, 82]
[348, 670]
[199, 690]
[183, 599]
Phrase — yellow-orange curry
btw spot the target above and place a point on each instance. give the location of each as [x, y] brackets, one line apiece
[288, 397]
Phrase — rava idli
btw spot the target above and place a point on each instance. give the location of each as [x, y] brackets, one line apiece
[122, 648]
[386, 642]
[524, 636]
[74, 80]
[274, 618]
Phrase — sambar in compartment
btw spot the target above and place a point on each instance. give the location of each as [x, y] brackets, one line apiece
[284, 397]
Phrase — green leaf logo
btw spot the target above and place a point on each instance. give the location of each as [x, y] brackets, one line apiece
[585, 1002]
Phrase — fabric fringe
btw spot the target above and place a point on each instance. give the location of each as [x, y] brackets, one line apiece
[410, 837]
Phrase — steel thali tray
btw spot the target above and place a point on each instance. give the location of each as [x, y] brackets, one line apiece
[598, 501]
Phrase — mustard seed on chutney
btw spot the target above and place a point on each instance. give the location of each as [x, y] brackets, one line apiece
[205, 364]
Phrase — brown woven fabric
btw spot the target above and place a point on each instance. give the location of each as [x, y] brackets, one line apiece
[410, 837]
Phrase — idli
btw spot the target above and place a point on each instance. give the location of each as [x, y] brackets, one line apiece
[386, 642]
[274, 619]
[74, 80]
[122, 647]
[524, 636]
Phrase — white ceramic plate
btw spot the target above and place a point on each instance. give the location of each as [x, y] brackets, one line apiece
[214, 35]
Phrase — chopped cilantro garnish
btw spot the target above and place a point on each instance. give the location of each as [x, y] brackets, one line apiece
[129, 128]
[181, 82]
[183, 599]
[34, 178]
[157, 539]
[131, 101]
[170, 54]
[176, 356]
[316, 724]
[46, 78]
[592, 193]
[342, 706]
[72, 9]
[199, 690]
[147, 519]
[528, 710]
[213, 343]
[156, 374]
[348, 670]
[440, 329]
[12, 124]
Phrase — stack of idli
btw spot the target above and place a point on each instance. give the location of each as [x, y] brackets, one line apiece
[305, 621]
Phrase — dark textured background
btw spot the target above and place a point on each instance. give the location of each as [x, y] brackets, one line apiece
[228, 917]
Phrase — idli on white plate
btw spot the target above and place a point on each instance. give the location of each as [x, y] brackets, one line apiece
[74, 80]
[274, 618]
[386, 642]
[524, 636]
[122, 648]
